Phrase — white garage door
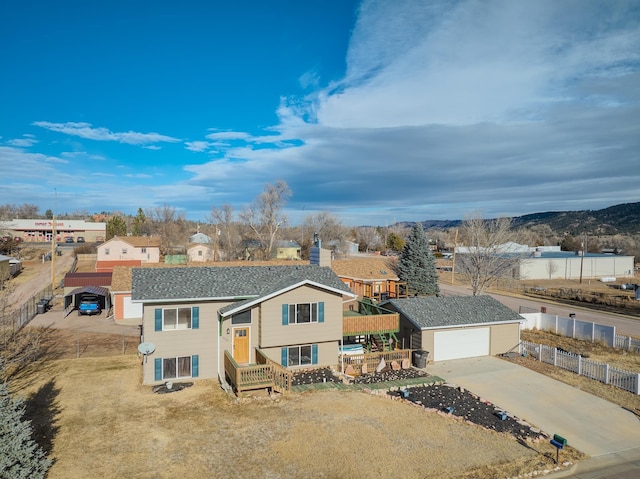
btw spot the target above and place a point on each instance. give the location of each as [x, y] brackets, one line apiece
[461, 343]
[131, 310]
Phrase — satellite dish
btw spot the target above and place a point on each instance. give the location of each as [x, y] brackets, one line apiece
[146, 348]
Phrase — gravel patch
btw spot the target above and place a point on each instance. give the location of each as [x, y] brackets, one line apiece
[463, 404]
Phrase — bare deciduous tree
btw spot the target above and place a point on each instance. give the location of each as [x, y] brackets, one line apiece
[264, 217]
[486, 255]
[171, 226]
[329, 229]
[228, 239]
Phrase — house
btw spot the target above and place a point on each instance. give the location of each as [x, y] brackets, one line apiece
[202, 320]
[200, 238]
[123, 307]
[288, 250]
[198, 253]
[370, 277]
[456, 327]
[128, 250]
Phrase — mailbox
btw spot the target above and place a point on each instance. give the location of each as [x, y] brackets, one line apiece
[560, 440]
[557, 444]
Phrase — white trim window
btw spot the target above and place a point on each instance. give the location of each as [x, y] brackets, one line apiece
[303, 355]
[303, 313]
[176, 318]
[176, 367]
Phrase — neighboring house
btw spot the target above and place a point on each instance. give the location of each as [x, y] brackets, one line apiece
[455, 327]
[123, 307]
[200, 238]
[127, 249]
[193, 315]
[288, 250]
[198, 253]
[370, 277]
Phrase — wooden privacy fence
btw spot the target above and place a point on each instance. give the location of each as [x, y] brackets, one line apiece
[626, 380]
[371, 360]
[269, 374]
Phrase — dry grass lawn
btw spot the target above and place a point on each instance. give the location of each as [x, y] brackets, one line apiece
[97, 420]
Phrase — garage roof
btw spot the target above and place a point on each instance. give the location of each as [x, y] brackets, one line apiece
[90, 289]
[437, 312]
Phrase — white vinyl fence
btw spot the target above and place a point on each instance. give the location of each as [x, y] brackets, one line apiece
[585, 330]
[627, 380]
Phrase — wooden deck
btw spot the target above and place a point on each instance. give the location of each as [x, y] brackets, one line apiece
[265, 374]
[371, 360]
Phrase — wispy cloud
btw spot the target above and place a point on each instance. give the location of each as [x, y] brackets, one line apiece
[87, 131]
[198, 146]
[25, 142]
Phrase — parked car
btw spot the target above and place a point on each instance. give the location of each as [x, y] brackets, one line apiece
[89, 304]
[80, 239]
[68, 239]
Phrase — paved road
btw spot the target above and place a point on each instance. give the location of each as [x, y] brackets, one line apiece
[625, 325]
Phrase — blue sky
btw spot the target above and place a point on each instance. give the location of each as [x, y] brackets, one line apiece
[376, 111]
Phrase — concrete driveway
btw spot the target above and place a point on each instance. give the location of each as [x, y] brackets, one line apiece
[590, 424]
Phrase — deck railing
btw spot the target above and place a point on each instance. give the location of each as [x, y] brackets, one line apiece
[357, 325]
[372, 360]
[268, 374]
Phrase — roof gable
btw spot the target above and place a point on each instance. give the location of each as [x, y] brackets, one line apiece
[436, 312]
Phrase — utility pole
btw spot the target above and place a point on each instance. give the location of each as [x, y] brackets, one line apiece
[53, 246]
[584, 250]
[453, 267]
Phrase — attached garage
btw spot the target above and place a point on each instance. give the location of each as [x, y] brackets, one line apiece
[457, 327]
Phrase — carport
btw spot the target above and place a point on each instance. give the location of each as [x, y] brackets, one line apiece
[72, 299]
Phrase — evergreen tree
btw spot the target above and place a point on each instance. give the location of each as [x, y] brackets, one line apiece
[116, 226]
[139, 223]
[417, 265]
[20, 456]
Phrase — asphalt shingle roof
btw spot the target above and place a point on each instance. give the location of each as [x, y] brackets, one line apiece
[225, 282]
[434, 312]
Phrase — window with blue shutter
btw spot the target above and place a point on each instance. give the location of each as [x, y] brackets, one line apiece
[158, 369]
[158, 318]
[314, 354]
[194, 366]
[320, 312]
[284, 357]
[195, 317]
[285, 314]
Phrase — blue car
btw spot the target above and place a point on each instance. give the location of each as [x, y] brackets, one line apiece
[89, 305]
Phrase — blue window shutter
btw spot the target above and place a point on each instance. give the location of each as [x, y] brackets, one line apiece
[194, 366]
[195, 317]
[284, 357]
[158, 319]
[285, 314]
[314, 354]
[158, 369]
[321, 312]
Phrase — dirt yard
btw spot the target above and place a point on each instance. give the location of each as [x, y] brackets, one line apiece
[95, 418]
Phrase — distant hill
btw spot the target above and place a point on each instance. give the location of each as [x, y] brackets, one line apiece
[618, 219]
